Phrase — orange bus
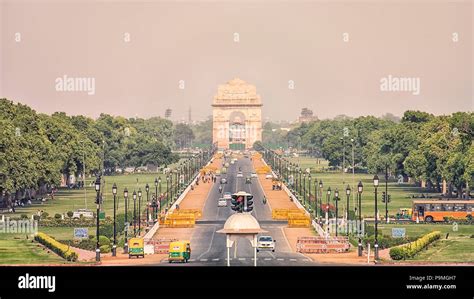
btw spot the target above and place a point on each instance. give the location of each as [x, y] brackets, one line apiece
[436, 210]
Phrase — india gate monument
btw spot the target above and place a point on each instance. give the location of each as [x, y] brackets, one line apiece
[237, 115]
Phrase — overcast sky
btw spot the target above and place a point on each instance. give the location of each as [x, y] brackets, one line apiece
[278, 41]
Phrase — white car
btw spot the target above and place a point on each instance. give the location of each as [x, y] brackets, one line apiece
[265, 243]
[253, 175]
[222, 202]
[227, 195]
[240, 174]
[269, 176]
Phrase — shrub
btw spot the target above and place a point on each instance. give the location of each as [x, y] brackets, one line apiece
[69, 214]
[44, 215]
[105, 249]
[36, 217]
[61, 249]
[24, 216]
[103, 240]
[57, 216]
[409, 250]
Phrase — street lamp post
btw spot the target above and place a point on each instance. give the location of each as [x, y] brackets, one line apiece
[320, 198]
[309, 190]
[156, 200]
[147, 189]
[336, 198]
[114, 247]
[304, 189]
[134, 213]
[328, 195]
[167, 189]
[125, 196]
[348, 194]
[386, 194]
[376, 243]
[359, 194]
[139, 210]
[159, 198]
[97, 190]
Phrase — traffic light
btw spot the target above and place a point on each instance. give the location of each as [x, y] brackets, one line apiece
[389, 198]
[383, 197]
[242, 202]
[248, 204]
[237, 202]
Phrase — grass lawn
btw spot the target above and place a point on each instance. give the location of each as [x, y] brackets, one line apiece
[418, 230]
[400, 194]
[16, 249]
[457, 249]
[72, 199]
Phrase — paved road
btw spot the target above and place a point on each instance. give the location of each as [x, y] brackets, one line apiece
[209, 247]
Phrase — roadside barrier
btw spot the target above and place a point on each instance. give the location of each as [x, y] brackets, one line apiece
[196, 212]
[322, 245]
[283, 214]
[297, 220]
[161, 245]
[177, 220]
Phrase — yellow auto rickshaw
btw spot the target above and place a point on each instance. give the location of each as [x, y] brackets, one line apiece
[179, 251]
[136, 247]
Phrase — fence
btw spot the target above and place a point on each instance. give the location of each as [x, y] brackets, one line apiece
[322, 245]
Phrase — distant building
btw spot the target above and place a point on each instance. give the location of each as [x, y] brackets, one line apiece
[307, 116]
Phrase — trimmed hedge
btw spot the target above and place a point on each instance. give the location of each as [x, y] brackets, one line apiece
[411, 249]
[61, 249]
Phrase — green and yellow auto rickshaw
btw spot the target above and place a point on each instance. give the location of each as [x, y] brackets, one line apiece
[179, 251]
[136, 247]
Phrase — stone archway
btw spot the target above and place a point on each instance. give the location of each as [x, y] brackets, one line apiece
[237, 115]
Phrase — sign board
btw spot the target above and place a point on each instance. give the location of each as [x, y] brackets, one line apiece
[398, 232]
[81, 233]
[101, 215]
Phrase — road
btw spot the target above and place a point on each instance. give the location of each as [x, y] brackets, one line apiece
[209, 247]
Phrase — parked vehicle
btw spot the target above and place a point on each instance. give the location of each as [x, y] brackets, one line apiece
[136, 248]
[227, 195]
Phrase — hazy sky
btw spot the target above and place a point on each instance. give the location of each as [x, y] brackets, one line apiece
[279, 41]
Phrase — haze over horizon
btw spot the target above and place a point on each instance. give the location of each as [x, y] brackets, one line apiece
[278, 42]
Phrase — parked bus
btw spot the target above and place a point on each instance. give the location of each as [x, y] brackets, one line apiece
[436, 210]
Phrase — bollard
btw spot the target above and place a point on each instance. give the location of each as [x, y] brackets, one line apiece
[368, 253]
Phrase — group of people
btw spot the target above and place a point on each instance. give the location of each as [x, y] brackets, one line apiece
[277, 185]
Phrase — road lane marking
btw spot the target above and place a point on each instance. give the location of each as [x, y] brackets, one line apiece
[192, 260]
[215, 260]
[203, 260]
[242, 259]
[210, 245]
[293, 260]
[267, 259]
[280, 259]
